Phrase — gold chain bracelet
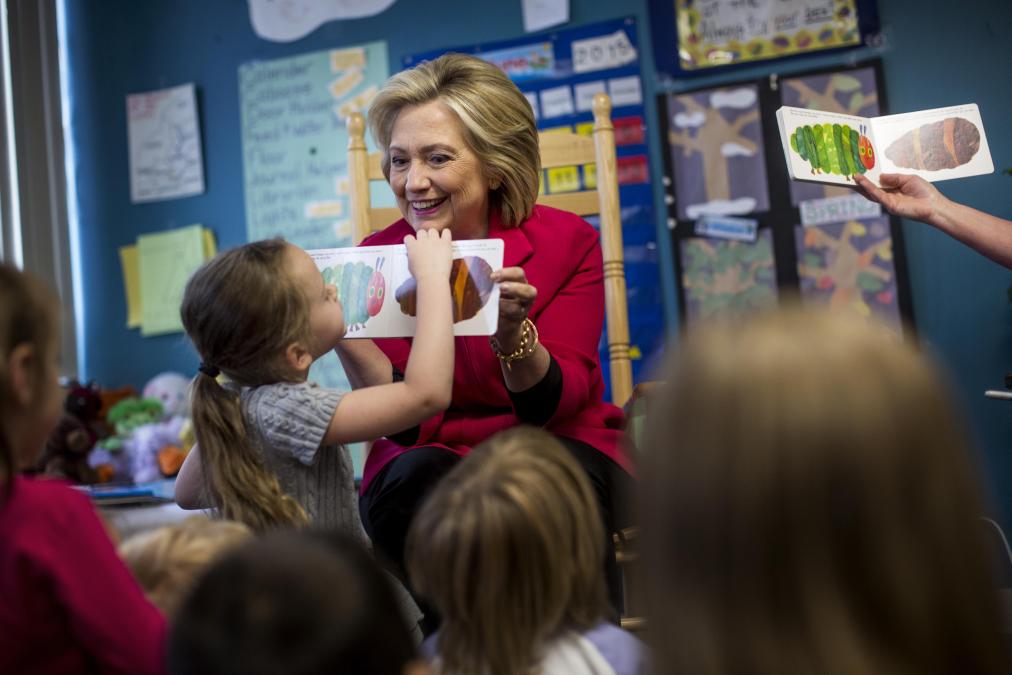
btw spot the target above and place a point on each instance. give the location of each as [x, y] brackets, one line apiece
[528, 343]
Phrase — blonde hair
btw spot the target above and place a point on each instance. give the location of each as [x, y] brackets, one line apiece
[242, 310]
[810, 507]
[27, 316]
[168, 560]
[498, 124]
[510, 548]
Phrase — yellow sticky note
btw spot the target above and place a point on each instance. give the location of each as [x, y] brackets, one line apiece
[165, 262]
[590, 176]
[210, 248]
[563, 179]
[585, 128]
[131, 284]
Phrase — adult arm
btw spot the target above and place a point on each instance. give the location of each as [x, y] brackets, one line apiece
[913, 197]
[364, 363]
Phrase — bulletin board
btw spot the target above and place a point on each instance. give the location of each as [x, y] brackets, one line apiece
[724, 160]
[721, 34]
[560, 72]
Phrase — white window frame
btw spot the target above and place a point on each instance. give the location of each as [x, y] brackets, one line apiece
[34, 230]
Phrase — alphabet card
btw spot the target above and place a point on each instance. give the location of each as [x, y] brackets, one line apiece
[379, 295]
[938, 144]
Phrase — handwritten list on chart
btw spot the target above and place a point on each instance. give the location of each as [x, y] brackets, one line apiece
[295, 141]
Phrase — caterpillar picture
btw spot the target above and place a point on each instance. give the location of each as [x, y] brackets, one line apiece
[944, 144]
[470, 286]
[834, 148]
[360, 289]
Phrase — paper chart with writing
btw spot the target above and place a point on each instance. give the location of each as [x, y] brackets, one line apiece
[164, 140]
[936, 144]
[379, 295]
[295, 142]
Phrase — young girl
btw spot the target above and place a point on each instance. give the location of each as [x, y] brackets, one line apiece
[269, 442]
[509, 548]
[810, 508]
[67, 602]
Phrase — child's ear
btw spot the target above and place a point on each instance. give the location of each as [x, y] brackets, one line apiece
[298, 357]
[22, 366]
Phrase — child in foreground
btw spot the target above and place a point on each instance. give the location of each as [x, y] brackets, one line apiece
[509, 547]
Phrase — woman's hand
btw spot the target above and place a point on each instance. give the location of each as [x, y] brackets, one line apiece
[516, 297]
[903, 195]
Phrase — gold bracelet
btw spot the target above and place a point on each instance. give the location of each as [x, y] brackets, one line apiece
[528, 343]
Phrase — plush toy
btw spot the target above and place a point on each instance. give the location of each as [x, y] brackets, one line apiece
[173, 390]
[69, 444]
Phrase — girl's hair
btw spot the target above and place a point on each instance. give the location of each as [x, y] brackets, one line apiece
[498, 123]
[242, 310]
[168, 560]
[810, 507]
[28, 315]
[295, 602]
[510, 548]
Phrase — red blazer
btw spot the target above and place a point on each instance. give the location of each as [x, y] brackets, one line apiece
[561, 256]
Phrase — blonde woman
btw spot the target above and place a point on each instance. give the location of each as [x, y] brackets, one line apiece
[810, 508]
[509, 550]
[460, 150]
[169, 559]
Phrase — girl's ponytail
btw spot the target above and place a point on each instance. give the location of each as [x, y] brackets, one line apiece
[242, 488]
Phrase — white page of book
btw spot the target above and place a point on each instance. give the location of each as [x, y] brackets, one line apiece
[376, 290]
[834, 160]
[936, 144]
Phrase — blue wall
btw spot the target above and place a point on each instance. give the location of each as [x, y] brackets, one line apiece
[935, 54]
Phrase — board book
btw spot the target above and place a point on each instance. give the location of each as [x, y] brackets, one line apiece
[937, 144]
[378, 293]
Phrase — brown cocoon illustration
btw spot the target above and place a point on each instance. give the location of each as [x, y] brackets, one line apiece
[945, 144]
[470, 284]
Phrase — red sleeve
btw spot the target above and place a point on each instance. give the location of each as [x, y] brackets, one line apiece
[105, 606]
[569, 326]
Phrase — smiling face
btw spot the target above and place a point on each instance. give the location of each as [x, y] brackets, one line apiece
[438, 180]
[326, 316]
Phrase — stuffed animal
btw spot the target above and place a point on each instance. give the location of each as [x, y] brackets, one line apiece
[69, 444]
[172, 390]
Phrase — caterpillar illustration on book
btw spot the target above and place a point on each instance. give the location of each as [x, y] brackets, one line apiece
[944, 144]
[360, 289]
[834, 148]
[470, 283]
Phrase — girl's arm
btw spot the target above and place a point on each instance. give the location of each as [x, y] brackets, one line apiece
[375, 411]
[191, 489]
[364, 363]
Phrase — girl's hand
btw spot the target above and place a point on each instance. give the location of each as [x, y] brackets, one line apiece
[430, 254]
[516, 297]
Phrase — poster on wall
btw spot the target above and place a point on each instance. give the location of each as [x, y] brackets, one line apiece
[834, 248]
[716, 145]
[294, 141]
[164, 140]
[693, 36]
[294, 146]
[721, 276]
[560, 73]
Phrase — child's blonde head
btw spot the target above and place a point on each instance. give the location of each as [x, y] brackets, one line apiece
[242, 310]
[168, 560]
[810, 507]
[510, 548]
[28, 317]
